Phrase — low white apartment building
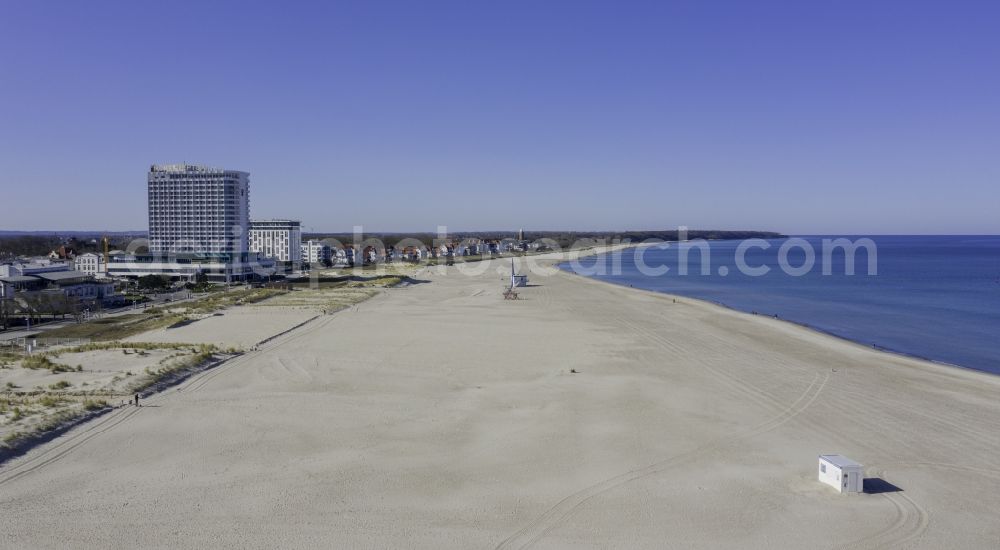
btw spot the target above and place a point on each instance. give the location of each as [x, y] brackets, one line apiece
[278, 239]
[314, 252]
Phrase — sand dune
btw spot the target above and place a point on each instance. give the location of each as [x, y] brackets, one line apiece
[441, 416]
[239, 327]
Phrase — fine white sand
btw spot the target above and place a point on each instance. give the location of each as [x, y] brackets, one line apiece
[99, 367]
[239, 327]
[442, 416]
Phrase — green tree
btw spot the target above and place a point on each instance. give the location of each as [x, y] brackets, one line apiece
[7, 309]
[154, 282]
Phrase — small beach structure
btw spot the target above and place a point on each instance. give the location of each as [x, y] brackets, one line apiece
[515, 279]
[841, 473]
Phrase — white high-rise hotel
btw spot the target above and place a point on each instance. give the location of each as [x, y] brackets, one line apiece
[199, 220]
[198, 209]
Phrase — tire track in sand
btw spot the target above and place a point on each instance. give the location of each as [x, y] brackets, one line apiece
[76, 438]
[909, 522]
[738, 385]
[910, 519]
[555, 515]
[200, 382]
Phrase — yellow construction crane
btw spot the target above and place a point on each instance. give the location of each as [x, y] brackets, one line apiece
[107, 255]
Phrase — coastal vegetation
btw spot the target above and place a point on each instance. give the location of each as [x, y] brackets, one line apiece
[14, 244]
[332, 290]
[60, 385]
[119, 327]
[27, 413]
[115, 328]
[153, 283]
[217, 301]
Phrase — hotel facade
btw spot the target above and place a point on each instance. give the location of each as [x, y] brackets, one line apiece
[198, 209]
[199, 221]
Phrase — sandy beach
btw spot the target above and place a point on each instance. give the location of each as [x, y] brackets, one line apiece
[237, 327]
[439, 415]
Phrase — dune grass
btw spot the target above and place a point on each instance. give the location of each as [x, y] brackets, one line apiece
[219, 300]
[115, 328]
[29, 414]
[135, 346]
[53, 419]
[42, 361]
[174, 365]
[120, 327]
[331, 292]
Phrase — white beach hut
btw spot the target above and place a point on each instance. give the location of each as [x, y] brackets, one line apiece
[841, 473]
[515, 279]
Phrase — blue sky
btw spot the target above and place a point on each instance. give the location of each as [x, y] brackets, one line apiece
[801, 117]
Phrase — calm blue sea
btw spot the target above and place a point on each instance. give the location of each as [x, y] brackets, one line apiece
[936, 297]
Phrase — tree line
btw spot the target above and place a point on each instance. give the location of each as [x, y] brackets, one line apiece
[564, 239]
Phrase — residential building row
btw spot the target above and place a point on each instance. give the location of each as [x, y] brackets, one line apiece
[199, 224]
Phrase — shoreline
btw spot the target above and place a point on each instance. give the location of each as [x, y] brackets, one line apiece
[873, 347]
[789, 322]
